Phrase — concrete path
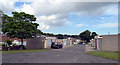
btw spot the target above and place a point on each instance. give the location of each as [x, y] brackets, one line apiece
[72, 54]
[89, 48]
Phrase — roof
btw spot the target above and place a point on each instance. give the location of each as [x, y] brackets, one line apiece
[4, 38]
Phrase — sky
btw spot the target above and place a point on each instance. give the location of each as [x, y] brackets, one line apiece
[68, 17]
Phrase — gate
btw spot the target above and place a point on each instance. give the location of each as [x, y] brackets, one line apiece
[48, 43]
[64, 42]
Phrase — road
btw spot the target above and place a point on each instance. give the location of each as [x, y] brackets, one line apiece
[71, 54]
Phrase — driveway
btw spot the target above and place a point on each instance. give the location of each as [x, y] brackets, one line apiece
[71, 54]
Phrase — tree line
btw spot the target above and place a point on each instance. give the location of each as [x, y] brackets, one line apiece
[86, 35]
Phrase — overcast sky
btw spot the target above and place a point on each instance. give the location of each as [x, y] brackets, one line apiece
[61, 16]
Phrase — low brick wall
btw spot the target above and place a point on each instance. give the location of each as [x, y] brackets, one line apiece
[12, 48]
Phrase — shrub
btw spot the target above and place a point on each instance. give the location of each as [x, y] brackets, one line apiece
[4, 45]
[15, 45]
[9, 42]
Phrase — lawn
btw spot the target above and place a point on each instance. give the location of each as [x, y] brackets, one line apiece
[110, 55]
[22, 51]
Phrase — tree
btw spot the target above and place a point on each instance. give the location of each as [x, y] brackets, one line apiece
[85, 35]
[118, 33]
[6, 18]
[60, 36]
[20, 26]
[93, 35]
[39, 32]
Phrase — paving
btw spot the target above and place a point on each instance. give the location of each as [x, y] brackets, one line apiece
[88, 48]
[71, 54]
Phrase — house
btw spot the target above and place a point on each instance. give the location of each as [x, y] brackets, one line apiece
[106, 42]
[71, 40]
[17, 41]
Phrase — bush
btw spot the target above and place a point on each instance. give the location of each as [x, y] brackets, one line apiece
[9, 42]
[4, 45]
[1, 44]
[15, 45]
[117, 51]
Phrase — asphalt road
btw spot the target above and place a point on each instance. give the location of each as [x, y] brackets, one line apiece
[71, 54]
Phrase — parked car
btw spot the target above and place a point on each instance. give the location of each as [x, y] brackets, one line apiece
[56, 45]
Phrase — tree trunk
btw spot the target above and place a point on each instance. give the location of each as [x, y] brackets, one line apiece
[9, 45]
[8, 48]
[21, 47]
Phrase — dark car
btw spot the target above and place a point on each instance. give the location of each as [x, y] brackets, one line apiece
[56, 45]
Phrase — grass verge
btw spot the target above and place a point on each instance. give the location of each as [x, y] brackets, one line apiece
[108, 55]
[22, 51]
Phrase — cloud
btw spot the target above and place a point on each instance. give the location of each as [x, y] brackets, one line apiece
[49, 8]
[80, 25]
[102, 18]
[28, 8]
[112, 10]
[73, 0]
[7, 6]
[52, 21]
[54, 13]
[106, 25]
[102, 21]
[43, 26]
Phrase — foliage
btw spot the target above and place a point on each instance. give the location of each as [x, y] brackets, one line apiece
[93, 35]
[4, 45]
[8, 42]
[1, 14]
[85, 35]
[118, 33]
[20, 26]
[14, 44]
[6, 18]
[60, 36]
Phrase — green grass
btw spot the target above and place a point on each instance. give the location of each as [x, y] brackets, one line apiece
[87, 44]
[110, 55]
[22, 51]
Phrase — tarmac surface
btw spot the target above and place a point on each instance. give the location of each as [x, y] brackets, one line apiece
[71, 54]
